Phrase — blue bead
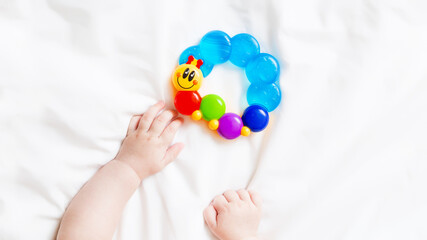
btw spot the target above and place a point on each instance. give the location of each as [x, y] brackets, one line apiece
[215, 47]
[244, 47]
[206, 68]
[267, 95]
[255, 117]
[263, 69]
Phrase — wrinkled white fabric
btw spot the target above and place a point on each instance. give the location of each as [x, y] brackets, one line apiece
[344, 156]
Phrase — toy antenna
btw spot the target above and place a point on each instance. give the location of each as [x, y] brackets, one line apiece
[199, 63]
[190, 59]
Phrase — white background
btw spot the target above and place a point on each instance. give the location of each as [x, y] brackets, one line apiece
[344, 156]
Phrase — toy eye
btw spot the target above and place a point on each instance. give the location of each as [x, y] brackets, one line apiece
[191, 76]
[186, 73]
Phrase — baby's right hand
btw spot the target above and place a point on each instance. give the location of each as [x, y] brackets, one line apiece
[146, 148]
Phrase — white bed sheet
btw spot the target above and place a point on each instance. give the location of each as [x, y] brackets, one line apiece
[344, 156]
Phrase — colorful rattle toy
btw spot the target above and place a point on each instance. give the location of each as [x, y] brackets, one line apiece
[261, 69]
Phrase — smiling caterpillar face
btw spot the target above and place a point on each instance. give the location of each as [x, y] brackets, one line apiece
[188, 77]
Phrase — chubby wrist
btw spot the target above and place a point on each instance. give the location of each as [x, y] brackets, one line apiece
[126, 171]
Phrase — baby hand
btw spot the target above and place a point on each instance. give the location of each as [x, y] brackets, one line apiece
[234, 215]
[146, 148]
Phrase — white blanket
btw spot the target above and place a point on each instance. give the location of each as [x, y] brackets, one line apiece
[344, 156]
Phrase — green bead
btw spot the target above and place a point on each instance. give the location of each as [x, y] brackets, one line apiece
[212, 107]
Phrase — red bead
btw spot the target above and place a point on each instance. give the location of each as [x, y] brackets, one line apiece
[186, 102]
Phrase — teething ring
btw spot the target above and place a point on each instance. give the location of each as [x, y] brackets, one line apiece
[261, 69]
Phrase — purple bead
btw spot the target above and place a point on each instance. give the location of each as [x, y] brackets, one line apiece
[230, 126]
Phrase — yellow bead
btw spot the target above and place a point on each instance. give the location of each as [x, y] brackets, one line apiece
[245, 131]
[196, 115]
[213, 124]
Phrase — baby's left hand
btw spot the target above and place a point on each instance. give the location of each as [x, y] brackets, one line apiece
[146, 148]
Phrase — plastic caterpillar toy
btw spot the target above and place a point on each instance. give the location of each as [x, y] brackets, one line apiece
[261, 69]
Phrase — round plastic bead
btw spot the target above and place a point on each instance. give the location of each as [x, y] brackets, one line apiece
[230, 126]
[213, 124]
[215, 47]
[255, 117]
[244, 48]
[267, 95]
[263, 69]
[186, 102]
[212, 107]
[245, 131]
[196, 115]
[206, 67]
